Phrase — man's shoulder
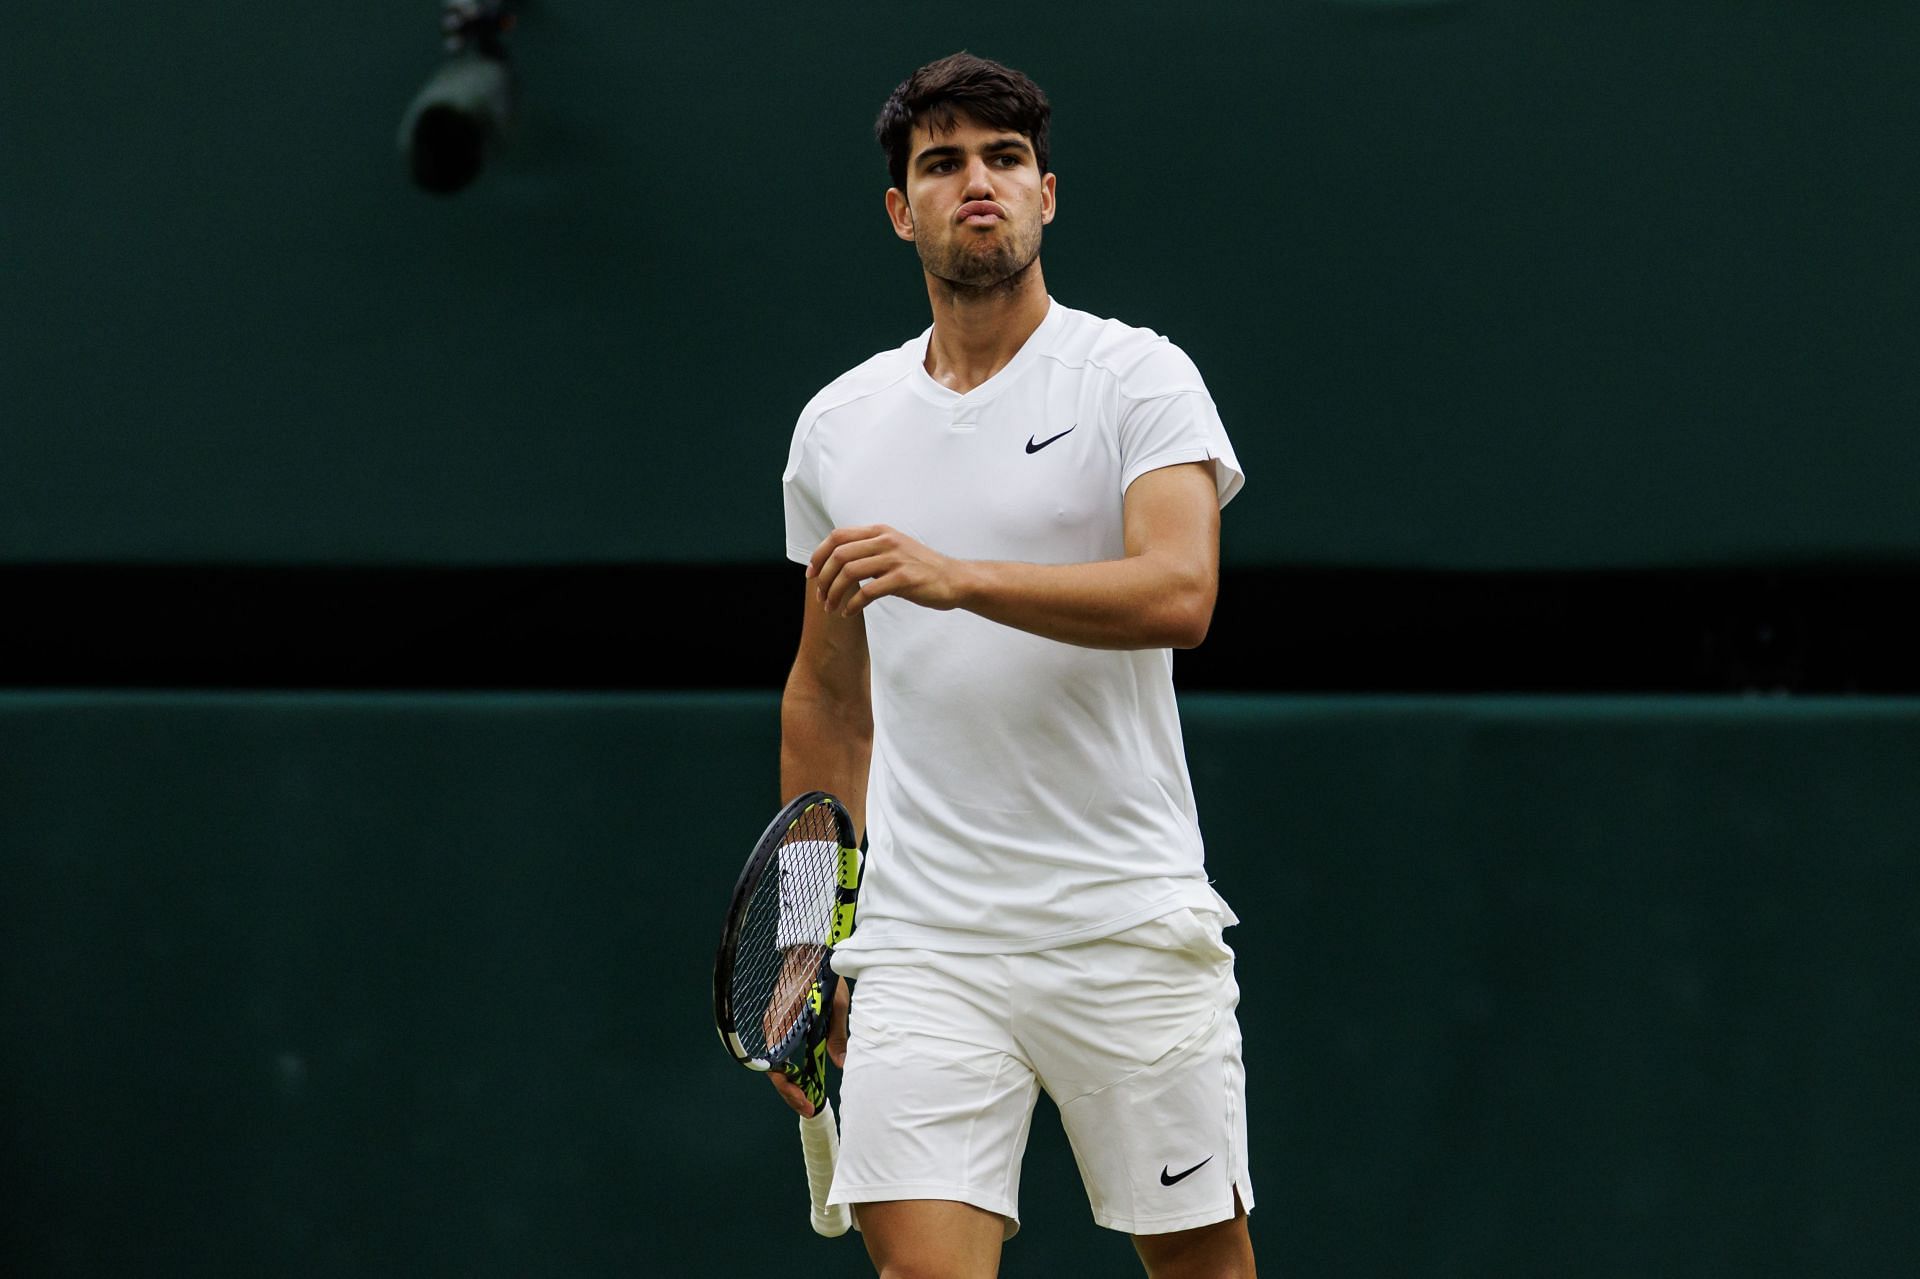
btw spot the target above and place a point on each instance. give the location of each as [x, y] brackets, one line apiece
[1144, 363]
[869, 377]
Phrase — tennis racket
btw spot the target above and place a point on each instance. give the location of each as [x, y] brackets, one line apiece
[772, 986]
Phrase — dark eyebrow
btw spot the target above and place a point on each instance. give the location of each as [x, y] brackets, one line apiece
[992, 148]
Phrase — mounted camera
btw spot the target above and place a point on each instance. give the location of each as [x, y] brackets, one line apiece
[462, 113]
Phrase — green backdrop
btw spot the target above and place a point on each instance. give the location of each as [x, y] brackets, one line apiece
[406, 985]
[1477, 283]
[317, 985]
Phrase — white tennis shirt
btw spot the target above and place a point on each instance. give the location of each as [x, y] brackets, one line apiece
[1023, 793]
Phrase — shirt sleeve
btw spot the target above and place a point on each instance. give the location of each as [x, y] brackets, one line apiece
[1167, 417]
[806, 509]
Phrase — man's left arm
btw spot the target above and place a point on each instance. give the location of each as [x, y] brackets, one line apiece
[1159, 595]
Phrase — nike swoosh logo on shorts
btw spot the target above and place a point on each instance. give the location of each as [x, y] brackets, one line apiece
[1167, 1179]
[1035, 448]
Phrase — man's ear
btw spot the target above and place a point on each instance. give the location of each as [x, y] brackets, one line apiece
[900, 213]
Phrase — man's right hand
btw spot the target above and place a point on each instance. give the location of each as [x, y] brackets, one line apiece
[791, 1092]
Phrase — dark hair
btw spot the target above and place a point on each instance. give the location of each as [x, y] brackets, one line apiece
[961, 85]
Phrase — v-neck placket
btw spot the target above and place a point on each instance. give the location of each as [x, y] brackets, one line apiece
[963, 411]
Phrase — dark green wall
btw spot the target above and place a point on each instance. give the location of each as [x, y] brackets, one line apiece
[417, 985]
[316, 985]
[1486, 283]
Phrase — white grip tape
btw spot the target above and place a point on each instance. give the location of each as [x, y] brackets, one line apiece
[820, 1141]
[807, 869]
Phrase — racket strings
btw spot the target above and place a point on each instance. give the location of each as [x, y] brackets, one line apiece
[783, 937]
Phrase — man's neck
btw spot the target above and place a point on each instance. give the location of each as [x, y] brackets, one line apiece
[975, 335]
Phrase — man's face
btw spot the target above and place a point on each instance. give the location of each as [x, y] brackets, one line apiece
[974, 204]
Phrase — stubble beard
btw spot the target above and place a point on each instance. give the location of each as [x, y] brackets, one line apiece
[971, 273]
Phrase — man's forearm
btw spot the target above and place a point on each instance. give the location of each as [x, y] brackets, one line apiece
[1137, 602]
[1159, 596]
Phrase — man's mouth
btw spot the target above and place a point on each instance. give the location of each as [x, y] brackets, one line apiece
[980, 213]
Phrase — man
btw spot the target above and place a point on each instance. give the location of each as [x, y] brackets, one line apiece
[1008, 523]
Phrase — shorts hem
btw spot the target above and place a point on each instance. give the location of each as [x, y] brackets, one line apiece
[885, 1192]
[1167, 1225]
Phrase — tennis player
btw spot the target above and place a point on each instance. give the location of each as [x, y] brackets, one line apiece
[1008, 523]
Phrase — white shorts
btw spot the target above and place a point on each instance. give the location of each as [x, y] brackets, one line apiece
[1133, 1036]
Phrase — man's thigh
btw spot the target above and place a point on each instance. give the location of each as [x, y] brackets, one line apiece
[1223, 1250]
[929, 1237]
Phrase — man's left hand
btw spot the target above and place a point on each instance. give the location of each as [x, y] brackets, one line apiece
[855, 566]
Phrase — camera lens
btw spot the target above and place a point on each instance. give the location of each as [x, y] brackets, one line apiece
[448, 148]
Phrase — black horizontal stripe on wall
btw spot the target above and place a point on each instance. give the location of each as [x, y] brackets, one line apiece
[649, 626]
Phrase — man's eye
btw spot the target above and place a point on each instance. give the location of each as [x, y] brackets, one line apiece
[1007, 160]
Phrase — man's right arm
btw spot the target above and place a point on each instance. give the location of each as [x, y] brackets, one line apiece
[826, 714]
[826, 740]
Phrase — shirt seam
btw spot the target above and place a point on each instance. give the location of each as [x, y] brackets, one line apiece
[855, 398]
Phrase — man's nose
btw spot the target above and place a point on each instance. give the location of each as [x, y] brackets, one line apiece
[979, 179]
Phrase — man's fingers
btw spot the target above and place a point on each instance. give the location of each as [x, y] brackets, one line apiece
[834, 563]
[791, 1093]
[832, 569]
[827, 546]
[869, 592]
[837, 539]
[849, 578]
[854, 567]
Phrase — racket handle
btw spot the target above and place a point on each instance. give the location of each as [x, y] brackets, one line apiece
[820, 1141]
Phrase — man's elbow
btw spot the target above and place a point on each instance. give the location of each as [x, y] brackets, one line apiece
[1191, 633]
[809, 700]
[1189, 614]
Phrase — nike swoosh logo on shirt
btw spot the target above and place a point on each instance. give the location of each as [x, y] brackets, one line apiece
[1167, 1179]
[1035, 448]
